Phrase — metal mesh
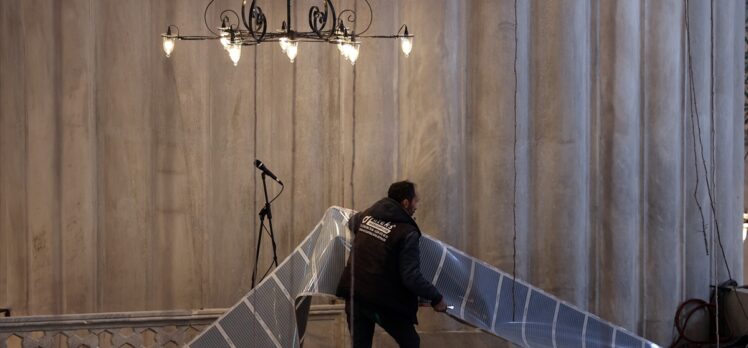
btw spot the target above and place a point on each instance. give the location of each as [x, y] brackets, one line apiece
[511, 307]
[211, 338]
[479, 308]
[539, 326]
[569, 327]
[277, 312]
[624, 340]
[292, 274]
[430, 250]
[272, 316]
[598, 334]
[239, 324]
[454, 279]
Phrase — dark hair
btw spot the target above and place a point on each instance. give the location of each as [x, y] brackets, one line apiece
[402, 190]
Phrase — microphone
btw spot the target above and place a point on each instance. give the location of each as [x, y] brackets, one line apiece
[266, 171]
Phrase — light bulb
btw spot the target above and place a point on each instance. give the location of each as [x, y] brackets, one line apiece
[406, 43]
[225, 33]
[341, 47]
[168, 46]
[283, 43]
[353, 52]
[292, 50]
[169, 40]
[225, 41]
[235, 52]
[345, 50]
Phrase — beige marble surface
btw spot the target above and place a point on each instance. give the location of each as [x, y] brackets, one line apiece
[126, 179]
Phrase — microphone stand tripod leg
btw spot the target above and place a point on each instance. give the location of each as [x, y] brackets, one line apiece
[265, 212]
[257, 249]
[270, 220]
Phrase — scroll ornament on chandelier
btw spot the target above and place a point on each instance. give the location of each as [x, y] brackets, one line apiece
[232, 37]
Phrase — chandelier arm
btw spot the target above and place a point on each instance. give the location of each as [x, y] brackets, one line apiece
[371, 18]
[288, 16]
[264, 26]
[394, 36]
[257, 24]
[401, 29]
[244, 18]
[175, 27]
[313, 35]
[238, 21]
[314, 40]
[306, 36]
[351, 16]
[318, 20]
[205, 18]
[334, 19]
[196, 37]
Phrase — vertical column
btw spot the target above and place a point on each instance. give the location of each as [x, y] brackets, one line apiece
[78, 156]
[124, 154]
[431, 124]
[180, 158]
[276, 88]
[375, 106]
[559, 129]
[315, 104]
[618, 173]
[346, 119]
[41, 54]
[523, 195]
[14, 280]
[663, 122]
[728, 134]
[493, 130]
[233, 139]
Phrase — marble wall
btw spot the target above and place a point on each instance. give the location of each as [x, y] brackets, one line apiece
[126, 178]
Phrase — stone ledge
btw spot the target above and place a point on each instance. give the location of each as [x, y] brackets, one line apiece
[67, 322]
[146, 328]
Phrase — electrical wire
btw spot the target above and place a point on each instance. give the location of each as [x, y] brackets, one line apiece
[205, 18]
[278, 195]
[514, 152]
[695, 111]
[694, 107]
[701, 146]
[681, 324]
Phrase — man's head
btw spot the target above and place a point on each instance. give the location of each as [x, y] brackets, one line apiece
[404, 192]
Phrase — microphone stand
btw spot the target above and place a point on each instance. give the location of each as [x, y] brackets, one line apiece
[265, 212]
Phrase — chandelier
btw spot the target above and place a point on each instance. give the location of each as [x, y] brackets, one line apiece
[325, 26]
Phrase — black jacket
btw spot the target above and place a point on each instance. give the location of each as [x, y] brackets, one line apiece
[384, 266]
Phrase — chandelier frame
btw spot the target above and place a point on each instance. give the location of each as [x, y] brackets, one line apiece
[250, 28]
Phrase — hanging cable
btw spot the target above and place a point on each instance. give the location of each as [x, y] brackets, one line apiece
[694, 108]
[514, 152]
[701, 142]
[712, 309]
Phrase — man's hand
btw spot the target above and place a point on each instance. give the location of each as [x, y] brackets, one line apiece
[441, 306]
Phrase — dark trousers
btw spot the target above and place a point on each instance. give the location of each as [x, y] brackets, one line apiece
[361, 320]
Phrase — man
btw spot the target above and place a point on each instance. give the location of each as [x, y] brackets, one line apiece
[382, 279]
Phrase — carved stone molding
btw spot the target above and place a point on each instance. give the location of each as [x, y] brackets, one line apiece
[125, 329]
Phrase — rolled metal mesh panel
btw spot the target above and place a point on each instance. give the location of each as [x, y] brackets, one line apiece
[274, 314]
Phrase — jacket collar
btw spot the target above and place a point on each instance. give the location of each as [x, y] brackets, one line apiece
[388, 209]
